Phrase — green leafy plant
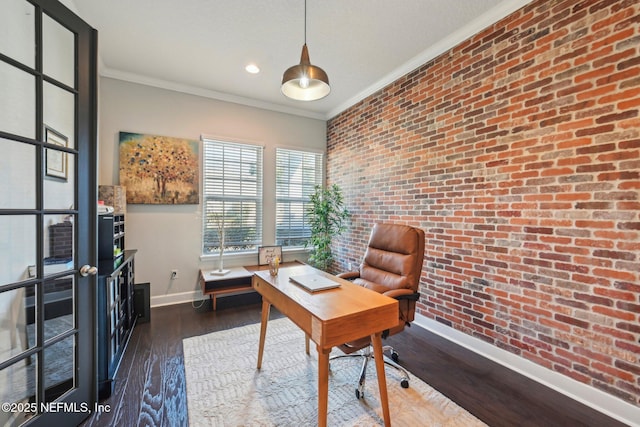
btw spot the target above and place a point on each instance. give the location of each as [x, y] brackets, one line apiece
[327, 218]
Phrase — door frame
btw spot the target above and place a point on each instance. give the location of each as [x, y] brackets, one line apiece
[77, 403]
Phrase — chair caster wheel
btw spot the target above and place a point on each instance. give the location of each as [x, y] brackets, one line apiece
[404, 384]
[358, 395]
[395, 357]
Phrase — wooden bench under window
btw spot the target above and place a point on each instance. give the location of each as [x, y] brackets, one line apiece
[237, 281]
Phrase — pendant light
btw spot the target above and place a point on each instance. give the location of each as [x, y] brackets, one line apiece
[305, 82]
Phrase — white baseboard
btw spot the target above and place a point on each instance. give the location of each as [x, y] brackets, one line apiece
[179, 298]
[182, 297]
[590, 396]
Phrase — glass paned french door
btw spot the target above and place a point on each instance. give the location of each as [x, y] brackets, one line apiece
[47, 213]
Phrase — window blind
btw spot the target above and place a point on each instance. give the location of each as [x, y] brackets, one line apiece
[232, 196]
[297, 174]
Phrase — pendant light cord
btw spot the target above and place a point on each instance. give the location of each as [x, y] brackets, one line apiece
[305, 21]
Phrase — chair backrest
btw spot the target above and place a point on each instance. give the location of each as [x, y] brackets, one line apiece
[393, 259]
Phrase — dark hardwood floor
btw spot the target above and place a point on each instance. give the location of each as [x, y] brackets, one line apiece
[150, 386]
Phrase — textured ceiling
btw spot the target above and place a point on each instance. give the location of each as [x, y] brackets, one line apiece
[202, 46]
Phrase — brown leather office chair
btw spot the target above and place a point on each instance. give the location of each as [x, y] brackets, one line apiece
[392, 265]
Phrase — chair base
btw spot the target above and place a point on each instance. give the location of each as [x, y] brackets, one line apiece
[367, 354]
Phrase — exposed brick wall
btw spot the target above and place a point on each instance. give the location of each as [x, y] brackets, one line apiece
[518, 153]
[61, 240]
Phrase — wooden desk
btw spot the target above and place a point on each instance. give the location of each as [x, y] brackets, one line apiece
[329, 318]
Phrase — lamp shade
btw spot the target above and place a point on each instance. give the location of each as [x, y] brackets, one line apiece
[305, 82]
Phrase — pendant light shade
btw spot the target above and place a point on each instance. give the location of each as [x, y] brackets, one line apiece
[305, 82]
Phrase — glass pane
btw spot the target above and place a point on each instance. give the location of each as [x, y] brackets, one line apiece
[17, 385]
[17, 248]
[59, 182]
[18, 102]
[58, 243]
[30, 299]
[59, 365]
[58, 306]
[16, 305]
[17, 34]
[58, 47]
[17, 175]
[59, 112]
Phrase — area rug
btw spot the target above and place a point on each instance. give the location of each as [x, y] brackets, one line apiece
[224, 388]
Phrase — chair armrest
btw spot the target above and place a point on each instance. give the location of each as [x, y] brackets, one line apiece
[403, 294]
[349, 275]
[407, 302]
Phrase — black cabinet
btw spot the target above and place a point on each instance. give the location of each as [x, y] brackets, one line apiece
[116, 316]
[110, 236]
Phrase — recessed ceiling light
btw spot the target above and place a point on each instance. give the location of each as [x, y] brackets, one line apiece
[252, 68]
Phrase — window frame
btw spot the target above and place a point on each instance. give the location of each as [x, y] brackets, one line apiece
[237, 201]
[307, 188]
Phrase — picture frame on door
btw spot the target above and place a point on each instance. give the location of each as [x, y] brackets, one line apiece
[56, 161]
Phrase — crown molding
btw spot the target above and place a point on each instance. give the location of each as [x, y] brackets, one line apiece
[205, 93]
[480, 23]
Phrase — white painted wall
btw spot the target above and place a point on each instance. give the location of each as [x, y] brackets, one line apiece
[169, 237]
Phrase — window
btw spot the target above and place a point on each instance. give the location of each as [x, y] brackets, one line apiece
[232, 196]
[297, 174]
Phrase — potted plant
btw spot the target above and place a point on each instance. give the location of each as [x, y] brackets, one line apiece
[327, 218]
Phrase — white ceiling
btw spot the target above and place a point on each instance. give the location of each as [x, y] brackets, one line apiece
[202, 46]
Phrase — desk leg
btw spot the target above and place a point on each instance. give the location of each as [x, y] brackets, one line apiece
[323, 386]
[266, 307]
[376, 339]
[306, 343]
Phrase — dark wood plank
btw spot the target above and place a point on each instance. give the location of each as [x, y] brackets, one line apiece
[494, 394]
[151, 390]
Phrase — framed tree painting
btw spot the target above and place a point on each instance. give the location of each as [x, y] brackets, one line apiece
[159, 170]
